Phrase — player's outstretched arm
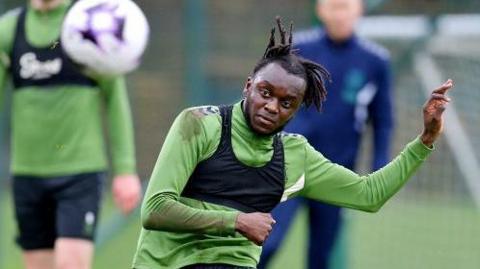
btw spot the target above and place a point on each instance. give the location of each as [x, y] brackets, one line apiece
[334, 184]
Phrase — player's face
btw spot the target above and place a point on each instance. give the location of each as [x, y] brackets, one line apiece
[339, 17]
[272, 97]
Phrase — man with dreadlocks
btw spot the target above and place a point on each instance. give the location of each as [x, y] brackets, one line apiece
[222, 169]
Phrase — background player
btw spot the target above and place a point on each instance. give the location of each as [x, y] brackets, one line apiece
[58, 158]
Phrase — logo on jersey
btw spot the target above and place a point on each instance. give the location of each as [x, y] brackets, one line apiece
[32, 68]
[353, 82]
[204, 111]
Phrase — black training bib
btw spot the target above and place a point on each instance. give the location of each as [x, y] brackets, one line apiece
[44, 66]
[222, 179]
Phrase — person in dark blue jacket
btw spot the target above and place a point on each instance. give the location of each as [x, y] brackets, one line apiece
[360, 92]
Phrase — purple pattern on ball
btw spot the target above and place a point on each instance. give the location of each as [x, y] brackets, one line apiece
[90, 33]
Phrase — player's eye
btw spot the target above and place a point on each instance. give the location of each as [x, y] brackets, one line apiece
[286, 104]
[265, 92]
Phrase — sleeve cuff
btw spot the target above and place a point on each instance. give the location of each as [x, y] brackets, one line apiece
[419, 149]
[229, 220]
[124, 169]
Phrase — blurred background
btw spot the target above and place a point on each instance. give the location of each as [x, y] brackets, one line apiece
[201, 52]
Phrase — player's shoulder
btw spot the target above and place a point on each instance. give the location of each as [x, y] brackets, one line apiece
[202, 111]
[8, 22]
[194, 121]
[10, 16]
[200, 114]
[292, 139]
[374, 49]
[308, 36]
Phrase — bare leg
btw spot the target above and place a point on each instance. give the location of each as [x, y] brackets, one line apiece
[73, 253]
[38, 259]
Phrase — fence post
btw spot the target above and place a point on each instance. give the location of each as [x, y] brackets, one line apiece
[195, 40]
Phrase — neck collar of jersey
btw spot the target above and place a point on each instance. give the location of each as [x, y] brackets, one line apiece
[340, 44]
[242, 128]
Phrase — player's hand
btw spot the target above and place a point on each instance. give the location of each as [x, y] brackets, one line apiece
[255, 226]
[432, 113]
[126, 191]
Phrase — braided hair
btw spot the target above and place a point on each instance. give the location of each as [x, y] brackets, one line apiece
[314, 74]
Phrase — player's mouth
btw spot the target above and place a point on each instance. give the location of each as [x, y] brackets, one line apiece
[266, 121]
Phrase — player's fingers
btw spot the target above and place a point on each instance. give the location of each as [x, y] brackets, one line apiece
[135, 199]
[116, 195]
[267, 217]
[436, 100]
[122, 200]
[129, 203]
[128, 207]
[119, 203]
[437, 96]
[125, 207]
[445, 87]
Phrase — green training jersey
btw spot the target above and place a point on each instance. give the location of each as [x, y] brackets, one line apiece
[57, 130]
[178, 231]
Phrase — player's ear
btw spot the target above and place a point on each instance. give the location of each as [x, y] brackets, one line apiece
[248, 86]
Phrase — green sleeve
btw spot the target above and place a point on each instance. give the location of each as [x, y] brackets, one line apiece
[3, 78]
[334, 184]
[186, 144]
[120, 127]
[3, 75]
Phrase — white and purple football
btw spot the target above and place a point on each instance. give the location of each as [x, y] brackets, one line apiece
[107, 36]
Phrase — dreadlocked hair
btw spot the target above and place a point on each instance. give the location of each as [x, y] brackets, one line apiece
[314, 74]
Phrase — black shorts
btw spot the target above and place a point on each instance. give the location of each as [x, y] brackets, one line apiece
[47, 208]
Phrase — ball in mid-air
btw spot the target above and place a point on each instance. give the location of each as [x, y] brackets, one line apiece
[107, 36]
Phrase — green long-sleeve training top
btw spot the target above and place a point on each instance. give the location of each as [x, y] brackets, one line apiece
[57, 130]
[179, 231]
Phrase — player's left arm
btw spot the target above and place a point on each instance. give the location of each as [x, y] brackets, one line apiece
[126, 186]
[334, 184]
[381, 114]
